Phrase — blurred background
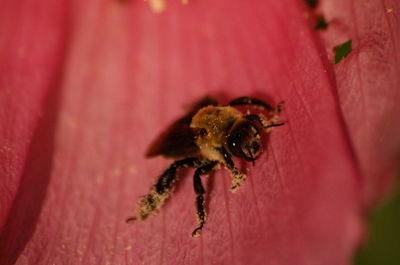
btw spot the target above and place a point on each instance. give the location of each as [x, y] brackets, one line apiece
[382, 246]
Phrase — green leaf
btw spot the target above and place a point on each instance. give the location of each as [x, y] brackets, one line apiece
[321, 23]
[312, 3]
[342, 51]
[384, 239]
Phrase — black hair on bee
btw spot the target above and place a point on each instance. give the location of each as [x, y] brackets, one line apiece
[206, 138]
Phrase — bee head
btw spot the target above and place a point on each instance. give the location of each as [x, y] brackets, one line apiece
[244, 140]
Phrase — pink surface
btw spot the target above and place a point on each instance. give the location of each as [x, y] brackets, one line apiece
[368, 83]
[32, 49]
[109, 76]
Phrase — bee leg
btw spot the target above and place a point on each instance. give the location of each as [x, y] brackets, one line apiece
[263, 122]
[237, 176]
[200, 191]
[259, 103]
[149, 204]
[251, 101]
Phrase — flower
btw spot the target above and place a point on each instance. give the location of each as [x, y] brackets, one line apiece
[88, 85]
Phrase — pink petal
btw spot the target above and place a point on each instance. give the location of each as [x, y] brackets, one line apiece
[368, 83]
[31, 53]
[127, 75]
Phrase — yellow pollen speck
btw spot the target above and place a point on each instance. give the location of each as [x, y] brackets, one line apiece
[157, 6]
[132, 170]
[5, 148]
[71, 122]
[129, 247]
[99, 179]
[116, 172]
[389, 10]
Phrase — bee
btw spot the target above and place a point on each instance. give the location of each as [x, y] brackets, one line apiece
[206, 138]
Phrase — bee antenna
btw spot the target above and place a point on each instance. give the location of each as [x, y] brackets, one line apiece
[251, 156]
[274, 125]
[130, 220]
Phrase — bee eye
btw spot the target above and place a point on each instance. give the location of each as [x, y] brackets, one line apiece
[253, 147]
[244, 140]
[203, 132]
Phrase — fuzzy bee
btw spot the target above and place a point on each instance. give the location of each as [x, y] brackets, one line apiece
[206, 138]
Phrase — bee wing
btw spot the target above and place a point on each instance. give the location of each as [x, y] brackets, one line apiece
[178, 140]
